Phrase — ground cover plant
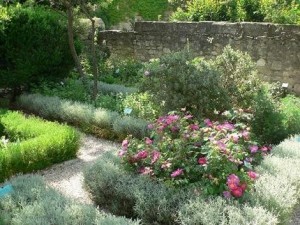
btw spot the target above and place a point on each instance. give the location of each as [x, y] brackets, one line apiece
[31, 144]
[102, 122]
[33, 202]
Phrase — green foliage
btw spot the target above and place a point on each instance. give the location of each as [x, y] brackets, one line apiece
[120, 10]
[267, 123]
[124, 194]
[210, 10]
[34, 144]
[42, 53]
[32, 202]
[130, 125]
[281, 11]
[142, 105]
[176, 81]
[121, 72]
[290, 107]
[85, 116]
[238, 77]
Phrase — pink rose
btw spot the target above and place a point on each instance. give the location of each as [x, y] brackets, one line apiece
[141, 155]
[208, 123]
[202, 161]
[125, 143]
[252, 175]
[253, 148]
[177, 172]
[155, 156]
[194, 127]
[237, 192]
[148, 141]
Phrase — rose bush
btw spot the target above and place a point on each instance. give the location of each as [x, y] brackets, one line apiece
[215, 157]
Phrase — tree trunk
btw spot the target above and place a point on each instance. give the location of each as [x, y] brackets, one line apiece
[94, 61]
[71, 41]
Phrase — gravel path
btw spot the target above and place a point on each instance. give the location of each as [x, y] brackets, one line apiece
[67, 177]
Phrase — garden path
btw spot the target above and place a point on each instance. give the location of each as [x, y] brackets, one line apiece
[67, 177]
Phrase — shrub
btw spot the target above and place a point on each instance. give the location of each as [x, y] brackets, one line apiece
[96, 120]
[42, 53]
[178, 82]
[290, 107]
[219, 211]
[267, 123]
[32, 202]
[215, 157]
[35, 144]
[238, 77]
[130, 125]
[142, 105]
[124, 194]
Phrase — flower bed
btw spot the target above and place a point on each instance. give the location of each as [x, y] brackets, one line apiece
[189, 172]
[34, 144]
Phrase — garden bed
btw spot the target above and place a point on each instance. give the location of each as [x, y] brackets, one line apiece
[33, 143]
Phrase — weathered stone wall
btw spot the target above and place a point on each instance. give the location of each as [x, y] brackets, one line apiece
[275, 48]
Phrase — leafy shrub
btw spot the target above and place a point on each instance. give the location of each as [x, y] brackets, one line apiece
[239, 10]
[141, 104]
[238, 77]
[215, 157]
[35, 144]
[267, 123]
[120, 10]
[290, 107]
[32, 202]
[42, 53]
[211, 10]
[124, 194]
[121, 72]
[178, 82]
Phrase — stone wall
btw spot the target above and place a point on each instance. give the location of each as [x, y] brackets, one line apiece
[275, 48]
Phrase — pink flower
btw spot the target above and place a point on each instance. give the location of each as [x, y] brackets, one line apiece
[233, 178]
[246, 135]
[150, 126]
[174, 129]
[145, 170]
[244, 186]
[122, 153]
[125, 143]
[166, 165]
[264, 148]
[194, 127]
[189, 116]
[177, 172]
[208, 123]
[202, 161]
[155, 156]
[237, 192]
[227, 194]
[228, 126]
[252, 175]
[221, 145]
[141, 155]
[253, 148]
[235, 138]
[148, 141]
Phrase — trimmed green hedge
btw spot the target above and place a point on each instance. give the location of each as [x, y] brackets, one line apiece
[34, 144]
[99, 121]
[273, 200]
[32, 202]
